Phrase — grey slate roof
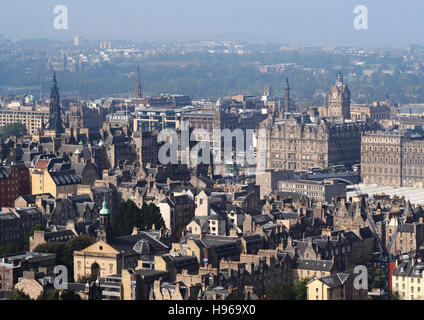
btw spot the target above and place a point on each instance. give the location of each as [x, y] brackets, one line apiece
[59, 235]
[337, 279]
[315, 265]
[407, 269]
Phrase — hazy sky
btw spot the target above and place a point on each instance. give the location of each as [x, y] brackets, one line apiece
[392, 23]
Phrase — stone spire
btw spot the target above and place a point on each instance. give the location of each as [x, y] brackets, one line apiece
[55, 121]
[339, 81]
[138, 94]
[287, 96]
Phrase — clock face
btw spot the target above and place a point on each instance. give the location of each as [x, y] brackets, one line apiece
[335, 95]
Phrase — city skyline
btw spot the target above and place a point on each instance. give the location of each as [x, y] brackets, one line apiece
[227, 151]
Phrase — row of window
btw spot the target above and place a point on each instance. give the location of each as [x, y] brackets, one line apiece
[392, 149]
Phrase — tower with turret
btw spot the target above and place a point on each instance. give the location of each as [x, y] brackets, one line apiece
[339, 99]
[103, 232]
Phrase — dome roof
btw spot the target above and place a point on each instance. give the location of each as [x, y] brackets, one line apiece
[104, 209]
[143, 247]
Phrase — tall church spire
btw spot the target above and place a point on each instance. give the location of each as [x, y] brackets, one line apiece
[287, 96]
[55, 121]
[339, 81]
[138, 94]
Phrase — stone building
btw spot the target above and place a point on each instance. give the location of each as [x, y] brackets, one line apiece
[12, 267]
[339, 101]
[268, 180]
[54, 176]
[349, 216]
[339, 286]
[147, 148]
[319, 190]
[409, 236]
[376, 111]
[177, 212]
[408, 279]
[392, 159]
[40, 237]
[297, 143]
[120, 150]
[15, 223]
[83, 116]
[174, 264]
[137, 284]
[108, 256]
[174, 291]
[32, 117]
[14, 182]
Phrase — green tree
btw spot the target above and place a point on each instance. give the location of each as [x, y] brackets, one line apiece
[394, 295]
[89, 278]
[8, 249]
[125, 219]
[150, 215]
[68, 294]
[50, 294]
[12, 130]
[300, 289]
[52, 247]
[374, 278]
[280, 291]
[53, 294]
[129, 216]
[16, 294]
[75, 244]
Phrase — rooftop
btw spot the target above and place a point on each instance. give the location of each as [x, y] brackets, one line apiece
[414, 195]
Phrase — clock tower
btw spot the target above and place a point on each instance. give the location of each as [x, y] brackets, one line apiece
[339, 99]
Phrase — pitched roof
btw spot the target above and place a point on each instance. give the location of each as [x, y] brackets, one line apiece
[127, 243]
[337, 279]
[42, 164]
[314, 265]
